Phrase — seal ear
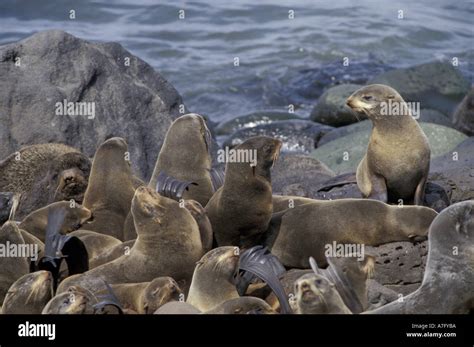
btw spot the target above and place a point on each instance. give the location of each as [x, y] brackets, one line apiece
[367, 265]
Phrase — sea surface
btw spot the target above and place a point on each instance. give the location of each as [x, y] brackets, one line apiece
[288, 52]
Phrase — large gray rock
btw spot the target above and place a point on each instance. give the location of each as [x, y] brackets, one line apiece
[399, 266]
[332, 109]
[134, 102]
[435, 85]
[463, 118]
[344, 154]
[300, 136]
[299, 175]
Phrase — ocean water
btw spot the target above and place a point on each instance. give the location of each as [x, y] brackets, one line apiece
[289, 52]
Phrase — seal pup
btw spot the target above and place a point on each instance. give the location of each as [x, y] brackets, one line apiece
[36, 222]
[43, 173]
[243, 305]
[304, 231]
[241, 209]
[397, 160]
[75, 300]
[168, 244]
[29, 294]
[315, 294]
[11, 267]
[146, 297]
[214, 278]
[185, 156]
[110, 189]
[448, 281]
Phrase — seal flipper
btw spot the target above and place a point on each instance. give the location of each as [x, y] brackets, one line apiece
[171, 187]
[108, 299]
[259, 262]
[76, 256]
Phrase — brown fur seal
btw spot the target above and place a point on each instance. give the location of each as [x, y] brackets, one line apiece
[11, 267]
[43, 174]
[110, 190]
[146, 297]
[305, 230]
[29, 294]
[448, 282]
[75, 300]
[111, 254]
[214, 278]
[397, 161]
[35, 223]
[243, 305]
[168, 244]
[315, 294]
[241, 209]
[185, 156]
[284, 202]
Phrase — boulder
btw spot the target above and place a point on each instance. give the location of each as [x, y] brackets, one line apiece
[463, 118]
[300, 136]
[436, 85]
[331, 108]
[124, 96]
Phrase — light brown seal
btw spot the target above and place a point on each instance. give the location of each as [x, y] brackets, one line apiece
[75, 300]
[397, 160]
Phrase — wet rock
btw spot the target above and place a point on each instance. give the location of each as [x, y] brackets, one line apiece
[436, 85]
[463, 118]
[436, 117]
[251, 120]
[344, 154]
[399, 266]
[130, 100]
[332, 109]
[364, 125]
[299, 175]
[299, 136]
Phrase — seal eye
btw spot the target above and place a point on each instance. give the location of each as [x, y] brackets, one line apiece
[368, 97]
[318, 282]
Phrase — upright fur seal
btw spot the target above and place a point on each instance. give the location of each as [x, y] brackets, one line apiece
[315, 294]
[29, 294]
[397, 161]
[448, 282]
[168, 244]
[185, 156]
[214, 278]
[44, 173]
[35, 223]
[241, 209]
[110, 190]
[304, 231]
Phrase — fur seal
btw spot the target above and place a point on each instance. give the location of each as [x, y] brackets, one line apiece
[284, 202]
[110, 190]
[29, 294]
[177, 307]
[44, 173]
[146, 297]
[315, 294]
[243, 305]
[111, 254]
[75, 300]
[185, 157]
[168, 244]
[11, 267]
[96, 243]
[304, 231]
[448, 282]
[241, 209]
[397, 160]
[35, 223]
[214, 278]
